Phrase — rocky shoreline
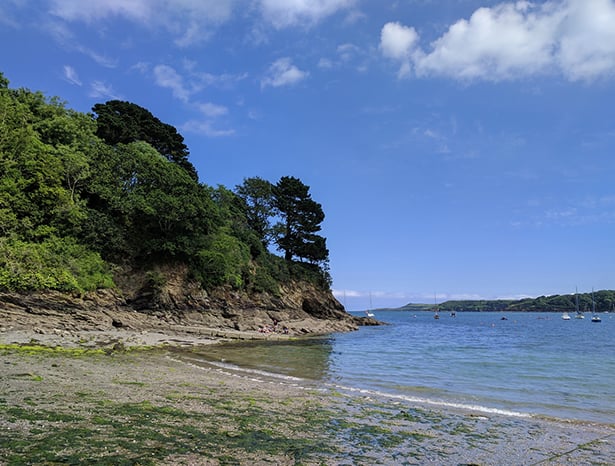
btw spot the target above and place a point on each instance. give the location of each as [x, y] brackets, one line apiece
[104, 319]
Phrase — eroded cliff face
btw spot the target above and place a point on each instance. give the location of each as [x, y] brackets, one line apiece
[165, 299]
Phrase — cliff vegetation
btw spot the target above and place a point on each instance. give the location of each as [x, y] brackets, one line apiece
[109, 201]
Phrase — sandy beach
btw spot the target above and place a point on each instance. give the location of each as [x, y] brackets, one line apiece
[81, 405]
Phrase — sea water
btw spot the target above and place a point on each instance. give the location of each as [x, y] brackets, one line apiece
[532, 364]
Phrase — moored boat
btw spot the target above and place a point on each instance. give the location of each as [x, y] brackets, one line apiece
[595, 317]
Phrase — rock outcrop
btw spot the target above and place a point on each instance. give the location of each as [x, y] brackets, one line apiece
[173, 303]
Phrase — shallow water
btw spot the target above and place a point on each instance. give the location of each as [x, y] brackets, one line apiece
[530, 364]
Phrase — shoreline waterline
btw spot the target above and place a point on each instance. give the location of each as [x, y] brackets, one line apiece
[187, 356]
[530, 365]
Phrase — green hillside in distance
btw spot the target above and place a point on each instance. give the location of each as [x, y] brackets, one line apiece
[604, 301]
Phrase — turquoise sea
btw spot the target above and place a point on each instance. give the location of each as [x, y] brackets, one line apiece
[532, 364]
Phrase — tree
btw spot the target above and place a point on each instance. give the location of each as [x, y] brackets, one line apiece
[122, 122]
[161, 211]
[257, 195]
[301, 218]
[35, 199]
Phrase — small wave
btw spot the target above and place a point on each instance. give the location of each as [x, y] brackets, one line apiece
[238, 369]
[296, 381]
[432, 402]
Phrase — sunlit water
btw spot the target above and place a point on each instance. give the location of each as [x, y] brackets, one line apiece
[530, 364]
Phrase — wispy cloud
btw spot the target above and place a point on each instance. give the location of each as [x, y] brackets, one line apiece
[187, 82]
[71, 75]
[167, 77]
[62, 34]
[539, 213]
[206, 128]
[189, 21]
[283, 73]
[101, 90]
[185, 86]
[285, 13]
[514, 40]
[101, 59]
[212, 110]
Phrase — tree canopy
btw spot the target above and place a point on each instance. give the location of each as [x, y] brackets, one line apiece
[80, 194]
[120, 122]
[301, 219]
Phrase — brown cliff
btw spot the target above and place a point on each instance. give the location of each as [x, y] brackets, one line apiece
[172, 304]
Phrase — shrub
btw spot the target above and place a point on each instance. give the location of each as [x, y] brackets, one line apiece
[55, 264]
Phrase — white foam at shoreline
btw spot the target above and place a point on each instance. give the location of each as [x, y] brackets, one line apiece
[439, 403]
[234, 370]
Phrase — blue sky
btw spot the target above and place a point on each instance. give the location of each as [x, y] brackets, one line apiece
[463, 148]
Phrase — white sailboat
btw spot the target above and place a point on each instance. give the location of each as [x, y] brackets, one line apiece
[595, 317]
[369, 312]
[436, 314]
[565, 316]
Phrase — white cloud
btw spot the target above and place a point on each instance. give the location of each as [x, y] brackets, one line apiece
[71, 75]
[188, 20]
[397, 42]
[284, 13]
[190, 82]
[212, 110]
[72, 10]
[184, 89]
[575, 38]
[165, 76]
[102, 60]
[283, 73]
[101, 90]
[587, 42]
[206, 128]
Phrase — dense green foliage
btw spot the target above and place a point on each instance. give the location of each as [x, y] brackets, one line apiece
[604, 301]
[81, 193]
[301, 218]
[124, 122]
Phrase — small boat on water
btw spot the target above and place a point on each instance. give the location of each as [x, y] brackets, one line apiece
[595, 317]
[369, 312]
[565, 316]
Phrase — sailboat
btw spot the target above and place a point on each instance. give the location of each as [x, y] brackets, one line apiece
[579, 314]
[369, 313]
[565, 316]
[435, 309]
[595, 317]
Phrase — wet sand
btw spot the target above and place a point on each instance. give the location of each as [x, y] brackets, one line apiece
[160, 407]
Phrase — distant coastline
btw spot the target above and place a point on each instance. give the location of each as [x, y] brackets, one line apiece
[604, 300]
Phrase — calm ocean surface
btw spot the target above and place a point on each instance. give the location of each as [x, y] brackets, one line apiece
[530, 364]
